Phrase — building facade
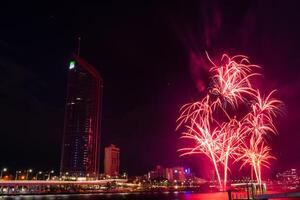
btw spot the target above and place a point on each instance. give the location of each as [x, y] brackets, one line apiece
[112, 160]
[82, 124]
[288, 177]
[177, 174]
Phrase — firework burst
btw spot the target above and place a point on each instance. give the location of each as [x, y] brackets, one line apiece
[230, 138]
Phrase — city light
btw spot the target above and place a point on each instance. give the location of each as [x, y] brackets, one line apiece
[27, 173]
[72, 64]
[1, 173]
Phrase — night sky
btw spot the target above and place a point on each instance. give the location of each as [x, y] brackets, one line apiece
[151, 57]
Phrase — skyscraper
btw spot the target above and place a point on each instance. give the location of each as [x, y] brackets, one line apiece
[112, 160]
[81, 137]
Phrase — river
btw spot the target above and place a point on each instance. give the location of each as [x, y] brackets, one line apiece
[129, 196]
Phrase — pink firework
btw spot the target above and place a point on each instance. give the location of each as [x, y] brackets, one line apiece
[207, 142]
[232, 135]
[198, 116]
[257, 155]
[230, 138]
[231, 81]
[199, 111]
[258, 124]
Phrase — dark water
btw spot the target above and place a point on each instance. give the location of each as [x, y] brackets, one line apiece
[129, 196]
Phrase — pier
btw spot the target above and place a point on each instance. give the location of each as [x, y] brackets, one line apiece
[254, 191]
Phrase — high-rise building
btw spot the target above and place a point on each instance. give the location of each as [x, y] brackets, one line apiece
[81, 138]
[112, 160]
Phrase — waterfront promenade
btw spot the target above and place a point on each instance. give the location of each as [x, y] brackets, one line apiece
[55, 186]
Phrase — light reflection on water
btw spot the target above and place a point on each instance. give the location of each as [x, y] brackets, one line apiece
[129, 196]
[124, 196]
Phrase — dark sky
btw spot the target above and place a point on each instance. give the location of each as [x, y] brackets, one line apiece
[151, 58]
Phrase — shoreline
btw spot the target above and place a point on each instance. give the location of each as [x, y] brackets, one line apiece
[106, 193]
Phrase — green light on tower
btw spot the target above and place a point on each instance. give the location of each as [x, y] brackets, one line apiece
[72, 64]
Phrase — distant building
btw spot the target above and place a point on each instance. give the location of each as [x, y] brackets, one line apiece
[288, 177]
[178, 174]
[159, 173]
[81, 138]
[174, 174]
[111, 160]
[212, 175]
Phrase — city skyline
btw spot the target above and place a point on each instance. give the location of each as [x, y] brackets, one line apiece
[152, 64]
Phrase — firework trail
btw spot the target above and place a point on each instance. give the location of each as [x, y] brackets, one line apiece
[199, 116]
[207, 143]
[230, 138]
[231, 134]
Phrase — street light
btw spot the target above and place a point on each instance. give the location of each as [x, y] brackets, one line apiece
[17, 172]
[36, 176]
[49, 175]
[27, 173]
[3, 170]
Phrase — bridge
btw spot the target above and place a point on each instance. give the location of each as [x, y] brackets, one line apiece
[55, 186]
